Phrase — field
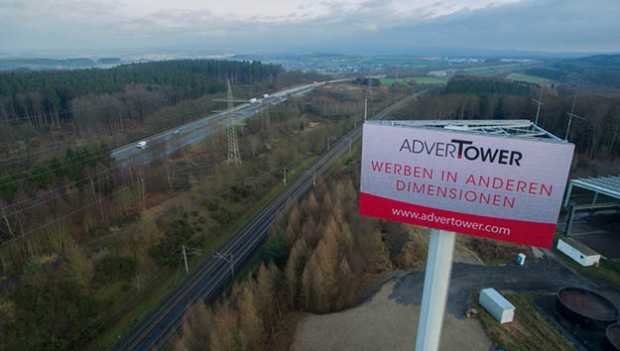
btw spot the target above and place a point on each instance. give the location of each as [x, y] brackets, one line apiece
[529, 331]
[530, 79]
[492, 70]
[481, 71]
[418, 80]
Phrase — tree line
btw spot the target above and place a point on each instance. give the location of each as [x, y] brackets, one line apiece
[597, 136]
[592, 70]
[487, 86]
[44, 97]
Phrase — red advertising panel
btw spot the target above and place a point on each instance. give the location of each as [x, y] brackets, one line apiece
[503, 188]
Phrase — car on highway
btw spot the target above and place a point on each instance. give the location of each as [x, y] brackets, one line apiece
[141, 144]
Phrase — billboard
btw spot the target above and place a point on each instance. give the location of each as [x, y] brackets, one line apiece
[502, 188]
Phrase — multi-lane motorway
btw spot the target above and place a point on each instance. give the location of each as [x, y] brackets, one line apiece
[212, 276]
[164, 143]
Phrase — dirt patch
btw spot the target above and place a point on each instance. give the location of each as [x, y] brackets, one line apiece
[162, 203]
[462, 254]
[373, 282]
[383, 323]
[495, 252]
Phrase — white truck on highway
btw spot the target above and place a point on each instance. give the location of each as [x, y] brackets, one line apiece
[253, 100]
[141, 144]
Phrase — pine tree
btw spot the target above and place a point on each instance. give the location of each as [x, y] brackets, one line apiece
[251, 327]
[311, 206]
[319, 277]
[199, 323]
[294, 269]
[310, 232]
[266, 291]
[222, 335]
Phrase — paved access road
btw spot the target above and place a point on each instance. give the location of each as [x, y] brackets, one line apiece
[545, 275]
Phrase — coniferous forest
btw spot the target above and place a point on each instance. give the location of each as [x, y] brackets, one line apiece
[46, 97]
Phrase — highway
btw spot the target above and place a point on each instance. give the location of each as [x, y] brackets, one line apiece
[169, 141]
[211, 277]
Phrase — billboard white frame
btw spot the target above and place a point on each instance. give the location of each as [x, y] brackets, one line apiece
[500, 187]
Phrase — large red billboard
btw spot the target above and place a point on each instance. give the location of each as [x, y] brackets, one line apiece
[497, 187]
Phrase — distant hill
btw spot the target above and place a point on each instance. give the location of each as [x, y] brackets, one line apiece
[36, 64]
[592, 70]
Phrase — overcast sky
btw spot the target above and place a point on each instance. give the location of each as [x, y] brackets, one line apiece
[416, 27]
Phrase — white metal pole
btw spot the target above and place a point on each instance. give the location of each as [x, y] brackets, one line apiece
[185, 259]
[570, 119]
[435, 293]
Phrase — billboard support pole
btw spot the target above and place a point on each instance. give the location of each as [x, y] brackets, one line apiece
[435, 293]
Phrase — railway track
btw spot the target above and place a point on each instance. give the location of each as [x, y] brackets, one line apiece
[211, 277]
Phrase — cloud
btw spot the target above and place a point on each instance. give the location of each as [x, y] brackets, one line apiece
[549, 25]
[397, 26]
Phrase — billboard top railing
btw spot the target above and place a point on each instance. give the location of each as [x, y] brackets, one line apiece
[516, 128]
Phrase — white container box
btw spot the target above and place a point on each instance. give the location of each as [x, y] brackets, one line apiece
[579, 252]
[497, 306]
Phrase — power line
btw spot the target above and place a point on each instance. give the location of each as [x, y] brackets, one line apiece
[189, 111]
[186, 113]
[94, 156]
[131, 295]
[95, 202]
[38, 116]
[150, 98]
[32, 231]
[154, 277]
[56, 190]
[74, 189]
[83, 180]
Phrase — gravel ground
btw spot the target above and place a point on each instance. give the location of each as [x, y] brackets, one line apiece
[388, 319]
[383, 323]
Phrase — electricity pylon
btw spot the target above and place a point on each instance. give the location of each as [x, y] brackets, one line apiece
[233, 144]
[539, 102]
[571, 115]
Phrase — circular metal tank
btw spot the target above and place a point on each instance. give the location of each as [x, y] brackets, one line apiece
[586, 308]
[612, 336]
